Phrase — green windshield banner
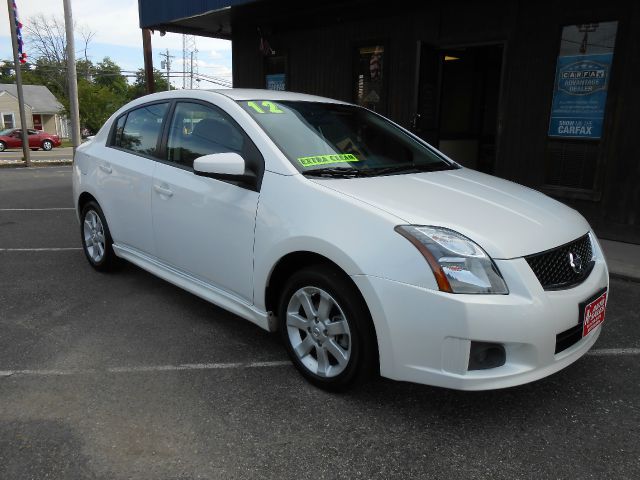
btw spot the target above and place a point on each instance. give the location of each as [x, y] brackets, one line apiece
[327, 159]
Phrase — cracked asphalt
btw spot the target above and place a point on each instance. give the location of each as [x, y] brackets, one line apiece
[68, 412]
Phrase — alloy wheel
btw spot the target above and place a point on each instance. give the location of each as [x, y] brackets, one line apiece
[94, 238]
[318, 332]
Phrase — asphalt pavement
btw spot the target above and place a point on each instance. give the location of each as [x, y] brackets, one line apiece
[118, 376]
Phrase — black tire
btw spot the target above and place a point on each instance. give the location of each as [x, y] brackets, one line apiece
[363, 358]
[47, 145]
[108, 262]
[3, 146]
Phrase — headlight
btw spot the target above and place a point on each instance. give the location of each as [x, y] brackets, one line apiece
[458, 263]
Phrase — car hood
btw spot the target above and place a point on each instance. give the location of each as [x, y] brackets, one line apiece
[506, 219]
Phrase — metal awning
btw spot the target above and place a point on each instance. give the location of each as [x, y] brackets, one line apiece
[210, 18]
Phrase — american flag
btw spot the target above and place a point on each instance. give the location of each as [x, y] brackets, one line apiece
[22, 56]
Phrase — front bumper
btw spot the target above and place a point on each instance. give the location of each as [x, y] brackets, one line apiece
[424, 336]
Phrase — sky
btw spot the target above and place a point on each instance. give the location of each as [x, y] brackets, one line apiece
[118, 36]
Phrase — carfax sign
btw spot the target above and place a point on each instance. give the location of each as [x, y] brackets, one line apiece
[580, 95]
[276, 81]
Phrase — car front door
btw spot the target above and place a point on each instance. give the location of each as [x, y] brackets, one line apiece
[125, 173]
[205, 227]
[15, 139]
[34, 139]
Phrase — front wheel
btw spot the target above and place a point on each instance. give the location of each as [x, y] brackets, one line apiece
[47, 145]
[96, 238]
[326, 328]
[3, 146]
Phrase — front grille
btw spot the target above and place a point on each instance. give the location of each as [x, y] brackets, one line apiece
[553, 267]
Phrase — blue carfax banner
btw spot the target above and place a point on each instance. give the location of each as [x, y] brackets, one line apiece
[580, 95]
[276, 81]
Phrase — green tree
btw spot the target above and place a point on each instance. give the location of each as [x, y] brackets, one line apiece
[138, 89]
[101, 89]
[84, 69]
[50, 73]
[29, 75]
[97, 103]
[6, 69]
[109, 74]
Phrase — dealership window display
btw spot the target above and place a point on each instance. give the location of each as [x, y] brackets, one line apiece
[577, 116]
[370, 82]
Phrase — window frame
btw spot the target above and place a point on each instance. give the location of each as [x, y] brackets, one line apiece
[385, 43]
[13, 119]
[112, 132]
[267, 66]
[167, 127]
[605, 143]
[161, 145]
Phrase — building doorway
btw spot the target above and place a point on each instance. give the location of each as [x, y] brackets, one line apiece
[458, 98]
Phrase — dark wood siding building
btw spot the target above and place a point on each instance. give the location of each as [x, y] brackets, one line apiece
[546, 93]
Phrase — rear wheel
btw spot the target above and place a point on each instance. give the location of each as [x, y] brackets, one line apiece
[96, 238]
[3, 146]
[326, 328]
[47, 145]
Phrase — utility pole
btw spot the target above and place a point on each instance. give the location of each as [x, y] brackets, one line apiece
[16, 60]
[166, 63]
[148, 60]
[72, 77]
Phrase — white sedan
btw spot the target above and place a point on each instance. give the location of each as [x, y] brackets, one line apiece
[369, 250]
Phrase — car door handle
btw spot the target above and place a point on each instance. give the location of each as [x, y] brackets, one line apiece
[163, 191]
[105, 168]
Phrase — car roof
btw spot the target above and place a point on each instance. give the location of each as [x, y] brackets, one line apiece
[236, 94]
[261, 94]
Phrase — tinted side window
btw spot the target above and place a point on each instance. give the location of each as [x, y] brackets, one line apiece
[198, 130]
[141, 129]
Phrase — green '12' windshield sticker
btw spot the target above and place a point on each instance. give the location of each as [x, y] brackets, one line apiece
[264, 107]
[327, 159]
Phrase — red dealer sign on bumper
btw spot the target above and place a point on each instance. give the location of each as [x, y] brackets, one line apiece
[594, 314]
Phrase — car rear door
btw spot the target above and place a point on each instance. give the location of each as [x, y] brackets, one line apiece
[124, 174]
[205, 227]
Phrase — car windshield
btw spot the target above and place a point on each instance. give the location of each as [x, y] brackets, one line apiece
[6, 131]
[336, 139]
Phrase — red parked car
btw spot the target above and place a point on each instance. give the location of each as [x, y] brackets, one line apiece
[12, 138]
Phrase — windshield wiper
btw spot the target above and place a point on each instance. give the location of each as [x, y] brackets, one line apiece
[336, 172]
[347, 172]
[372, 172]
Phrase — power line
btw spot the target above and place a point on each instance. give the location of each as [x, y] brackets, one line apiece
[217, 80]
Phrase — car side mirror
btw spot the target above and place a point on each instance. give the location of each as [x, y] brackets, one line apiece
[228, 166]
